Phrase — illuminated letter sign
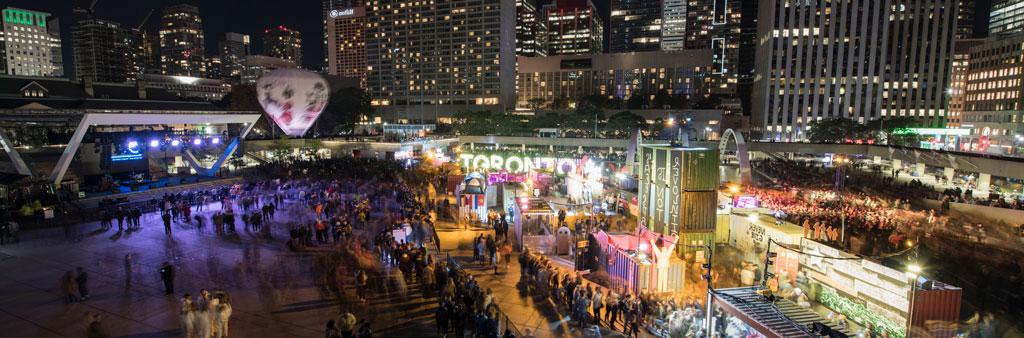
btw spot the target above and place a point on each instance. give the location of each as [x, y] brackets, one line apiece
[465, 159]
[514, 159]
[336, 13]
[481, 161]
[497, 161]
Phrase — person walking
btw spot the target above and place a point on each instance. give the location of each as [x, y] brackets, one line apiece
[67, 288]
[82, 279]
[167, 275]
[167, 223]
[598, 303]
[128, 270]
[187, 316]
[137, 216]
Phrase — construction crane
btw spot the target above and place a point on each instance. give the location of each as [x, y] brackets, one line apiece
[88, 11]
[139, 28]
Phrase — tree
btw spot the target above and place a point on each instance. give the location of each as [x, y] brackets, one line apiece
[623, 123]
[443, 129]
[832, 130]
[560, 103]
[884, 130]
[638, 101]
[536, 103]
[473, 122]
[244, 98]
[347, 106]
[661, 99]
[281, 147]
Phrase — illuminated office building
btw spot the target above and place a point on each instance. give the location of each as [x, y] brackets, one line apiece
[346, 36]
[531, 31]
[673, 25]
[958, 80]
[994, 108]
[635, 26]
[30, 43]
[100, 50]
[1007, 17]
[427, 60]
[616, 75]
[858, 60]
[283, 43]
[181, 42]
[233, 50]
[574, 27]
[326, 8]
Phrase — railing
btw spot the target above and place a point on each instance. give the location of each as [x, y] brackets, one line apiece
[504, 322]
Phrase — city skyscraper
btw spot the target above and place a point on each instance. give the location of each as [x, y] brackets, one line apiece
[1007, 17]
[30, 43]
[233, 50]
[283, 43]
[574, 27]
[100, 50]
[965, 19]
[136, 57]
[635, 26]
[719, 26]
[326, 8]
[181, 41]
[858, 60]
[461, 58]
[673, 25]
[994, 107]
[531, 30]
[958, 79]
[346, 37]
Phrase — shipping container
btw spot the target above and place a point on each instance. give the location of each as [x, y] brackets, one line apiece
[699, 211]
[691, 239]
[937, 310]
[453, 183]
[689, 169]
[670, 210]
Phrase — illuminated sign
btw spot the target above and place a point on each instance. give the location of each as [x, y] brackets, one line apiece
[336, 13]
[520, 164]
[127, 157]
[932, 131]
[746, 201]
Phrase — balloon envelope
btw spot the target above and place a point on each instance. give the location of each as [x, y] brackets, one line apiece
[293, 98]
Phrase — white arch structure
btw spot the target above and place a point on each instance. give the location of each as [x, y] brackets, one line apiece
[741, 153]
[121, 119]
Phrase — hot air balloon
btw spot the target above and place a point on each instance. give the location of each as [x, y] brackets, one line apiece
[293, 98]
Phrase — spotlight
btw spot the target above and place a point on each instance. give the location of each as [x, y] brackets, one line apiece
[154, 143]
[215, 140]
[175, 143]
[197, 141]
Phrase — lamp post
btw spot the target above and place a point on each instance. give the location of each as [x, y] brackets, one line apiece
[912, 272]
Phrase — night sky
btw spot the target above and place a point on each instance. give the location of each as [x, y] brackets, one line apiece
[254, 16]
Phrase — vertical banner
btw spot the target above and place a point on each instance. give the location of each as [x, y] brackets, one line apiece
[648, 165]
[659, 207]
[675, 189]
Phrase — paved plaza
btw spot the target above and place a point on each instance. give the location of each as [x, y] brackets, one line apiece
[273, 290]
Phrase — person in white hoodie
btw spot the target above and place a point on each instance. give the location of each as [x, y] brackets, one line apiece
[203, 322]
[222, 313]
[187, 316]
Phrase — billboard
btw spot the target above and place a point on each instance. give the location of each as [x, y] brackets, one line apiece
[293, 98]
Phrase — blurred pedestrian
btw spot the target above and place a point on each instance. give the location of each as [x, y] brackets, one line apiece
[167, 276]
[82, 279]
